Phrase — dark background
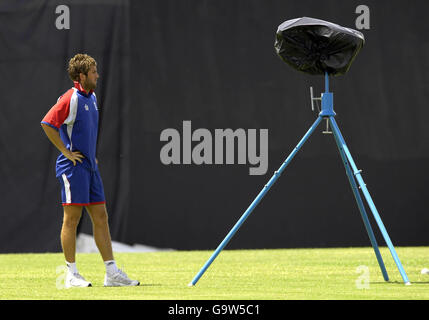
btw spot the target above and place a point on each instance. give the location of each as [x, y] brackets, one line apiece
[213, 62]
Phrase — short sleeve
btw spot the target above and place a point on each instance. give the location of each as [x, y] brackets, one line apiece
[57, 115]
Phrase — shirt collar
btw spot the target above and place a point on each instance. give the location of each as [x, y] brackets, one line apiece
[79, 87]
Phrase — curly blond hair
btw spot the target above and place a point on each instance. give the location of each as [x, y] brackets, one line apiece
[80, 63]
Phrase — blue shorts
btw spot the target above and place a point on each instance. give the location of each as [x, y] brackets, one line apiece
[81, 186]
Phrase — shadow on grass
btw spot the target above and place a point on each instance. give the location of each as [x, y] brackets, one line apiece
[400, 282]
[140, 285]
[151, 285]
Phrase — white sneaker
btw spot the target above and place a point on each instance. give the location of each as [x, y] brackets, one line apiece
[76, 280]
[425, 271]
[119, 279]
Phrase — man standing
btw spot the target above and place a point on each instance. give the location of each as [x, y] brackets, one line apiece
[72, 126]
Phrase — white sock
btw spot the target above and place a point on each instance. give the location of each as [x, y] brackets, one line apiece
[111, 266]
[72, 267]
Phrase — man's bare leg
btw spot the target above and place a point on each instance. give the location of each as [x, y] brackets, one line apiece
[100, 225]
[72, 215]
[114, 276]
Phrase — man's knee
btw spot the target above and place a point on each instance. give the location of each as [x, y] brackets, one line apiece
[99, 217]
[72, 217]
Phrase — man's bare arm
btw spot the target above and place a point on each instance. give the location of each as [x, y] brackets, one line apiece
[54, 136]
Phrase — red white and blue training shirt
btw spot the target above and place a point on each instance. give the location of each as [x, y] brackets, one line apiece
[75, 116]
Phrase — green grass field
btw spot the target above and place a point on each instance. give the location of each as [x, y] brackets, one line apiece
[298, 274]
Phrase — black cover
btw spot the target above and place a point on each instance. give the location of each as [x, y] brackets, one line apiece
[315, 46]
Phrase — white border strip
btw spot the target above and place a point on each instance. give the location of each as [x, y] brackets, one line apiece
[67, 188]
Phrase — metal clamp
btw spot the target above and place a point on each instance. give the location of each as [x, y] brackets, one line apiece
[314, 99]
[327, 131]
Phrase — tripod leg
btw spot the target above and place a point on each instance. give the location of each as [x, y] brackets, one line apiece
[255, 202]
[369, 200]
[361, 207]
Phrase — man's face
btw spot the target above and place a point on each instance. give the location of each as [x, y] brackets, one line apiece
[89, 82]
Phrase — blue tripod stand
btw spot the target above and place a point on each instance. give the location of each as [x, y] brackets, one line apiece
[355, 179]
